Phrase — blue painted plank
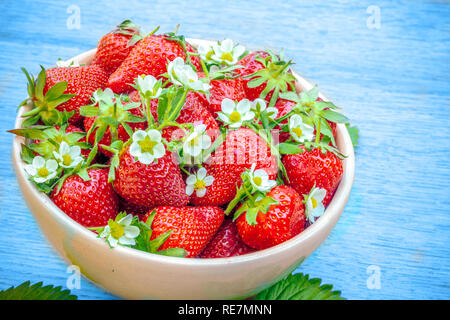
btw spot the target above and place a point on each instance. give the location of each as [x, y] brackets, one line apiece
[393, 82]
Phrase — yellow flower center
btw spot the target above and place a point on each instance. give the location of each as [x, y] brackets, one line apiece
[117, 230]
[209, 54]
[43, 172]
[67, 159]
[308, 104]
[199, 184]
[227, 56]
[147, 145]
[257, 180]
[314, 203]
[235, 116]
[297, 131]
[193, 142]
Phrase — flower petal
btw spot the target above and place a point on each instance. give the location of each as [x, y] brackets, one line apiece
[131, 231]
[228, 106]
[189, 189]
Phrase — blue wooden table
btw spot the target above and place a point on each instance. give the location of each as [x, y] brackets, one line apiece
[387, 63]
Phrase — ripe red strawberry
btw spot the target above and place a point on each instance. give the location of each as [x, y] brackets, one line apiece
[121, 132]
[149, 56]
[114, 47]
[250, 66]
[241, 149]
[91, 203]
[159, 183]
[225, 88]
[324, 170]
[281, 222]
[226, 243]
[191, 227]
[271, 74]
[81, 81]
[194, 111]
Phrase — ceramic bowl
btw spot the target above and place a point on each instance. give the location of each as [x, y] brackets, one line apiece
[133, 274]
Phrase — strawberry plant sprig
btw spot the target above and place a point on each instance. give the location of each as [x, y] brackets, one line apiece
[309, 105]
[128, 231]
[110, 111]
[252, 192]
[275, 75]
[43, 106]
[149, 145]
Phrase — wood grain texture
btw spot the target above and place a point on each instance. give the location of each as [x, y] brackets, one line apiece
[393, 82]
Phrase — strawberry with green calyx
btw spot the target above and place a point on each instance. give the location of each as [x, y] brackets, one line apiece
[150, 56]
[46, 139]
[272, 219]
[62, 158]
[115, 46]
[43, 105]
[267, 76]
[321, 114]
[61, 89]
[191, 55]
[191, 228]
[110, 118]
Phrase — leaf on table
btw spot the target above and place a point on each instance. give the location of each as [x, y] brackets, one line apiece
[26, 291]
[299, 287]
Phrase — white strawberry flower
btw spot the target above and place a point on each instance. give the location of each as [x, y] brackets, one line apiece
[259, 106]
[64, 64]
[314, 204]
[42, 170]
[182, 74]
[120, 232]
[260, 179]
[197, 141]
[104, 97]
[198, 182]
[148, 86]
[234, 114]
[205, 50]
[299, 130]
[147, 146]
[68, 157]
[226, 52]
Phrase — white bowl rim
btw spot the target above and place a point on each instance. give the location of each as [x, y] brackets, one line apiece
[340, 198]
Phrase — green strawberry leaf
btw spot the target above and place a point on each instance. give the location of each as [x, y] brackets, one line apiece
[289, 148]
[299, 287]
[334, 116]
[353, 131]
[26, 291]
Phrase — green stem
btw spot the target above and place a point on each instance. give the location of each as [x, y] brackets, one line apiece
[205, 69]
[239, 195]
[318, 133]
[178, 107]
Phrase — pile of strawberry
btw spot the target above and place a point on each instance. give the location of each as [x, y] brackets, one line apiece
[198, 152]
